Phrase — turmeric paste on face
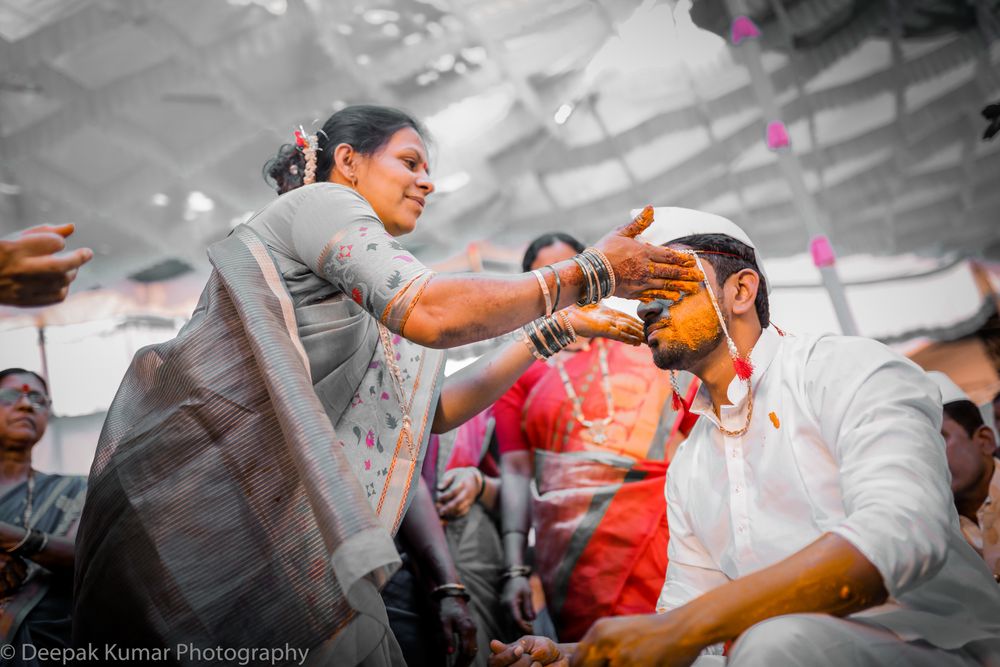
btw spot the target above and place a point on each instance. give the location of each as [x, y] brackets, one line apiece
[693, 322]
[687, 330]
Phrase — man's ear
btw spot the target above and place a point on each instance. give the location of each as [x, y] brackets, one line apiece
[985, 440]
[744, 285]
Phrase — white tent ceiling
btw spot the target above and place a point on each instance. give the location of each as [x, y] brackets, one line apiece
[146, 121]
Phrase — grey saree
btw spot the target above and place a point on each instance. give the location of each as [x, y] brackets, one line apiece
[252, 471]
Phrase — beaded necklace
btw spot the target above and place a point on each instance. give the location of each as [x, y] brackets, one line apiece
[596, 427]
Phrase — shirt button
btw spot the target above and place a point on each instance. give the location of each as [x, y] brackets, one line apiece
[737, 489]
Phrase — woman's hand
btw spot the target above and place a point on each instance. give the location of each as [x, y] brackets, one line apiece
[517, 599]
[13, 572]
[527, 651]
[602, 322]
[458, 491]
[644, 271]
[459, 629]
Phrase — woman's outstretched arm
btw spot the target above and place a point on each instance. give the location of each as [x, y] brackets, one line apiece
[477, 386]
[464, 308]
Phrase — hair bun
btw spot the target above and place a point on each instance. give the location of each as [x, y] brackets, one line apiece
[286, 170]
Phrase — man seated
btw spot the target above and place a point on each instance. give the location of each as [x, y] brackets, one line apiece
[975, 476]
[810, 513]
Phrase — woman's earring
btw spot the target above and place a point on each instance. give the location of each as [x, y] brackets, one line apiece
[354, 181]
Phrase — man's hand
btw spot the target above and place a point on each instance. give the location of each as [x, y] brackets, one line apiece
[31, 273]
[457, 491]
[13, 572]
[635, 641]
[528, 651]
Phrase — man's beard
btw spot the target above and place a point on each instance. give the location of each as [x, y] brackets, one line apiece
[677, 356]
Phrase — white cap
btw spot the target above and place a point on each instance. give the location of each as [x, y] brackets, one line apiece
[950, 392]
[671, 223]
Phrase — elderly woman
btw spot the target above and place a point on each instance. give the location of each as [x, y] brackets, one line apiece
[38, 517]
[253, 471]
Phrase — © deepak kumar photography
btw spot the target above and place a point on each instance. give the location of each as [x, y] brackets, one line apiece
[420, 333]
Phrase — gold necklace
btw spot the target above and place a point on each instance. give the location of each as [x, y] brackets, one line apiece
[596, 427]
[746, 426]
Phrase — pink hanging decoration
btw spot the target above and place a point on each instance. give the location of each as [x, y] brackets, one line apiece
[743, 28]
[822, 252]
[676, 402]
[777, 135]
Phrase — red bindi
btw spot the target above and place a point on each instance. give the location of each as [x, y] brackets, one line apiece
[25, 388]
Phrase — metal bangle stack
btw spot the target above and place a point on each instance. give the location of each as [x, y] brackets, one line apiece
[450, 591]
[598, 276]
[548, 335]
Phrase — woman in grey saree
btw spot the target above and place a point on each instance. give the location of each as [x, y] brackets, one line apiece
[252, 471]
[36, 565]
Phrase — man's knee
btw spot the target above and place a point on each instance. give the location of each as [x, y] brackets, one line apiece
[779, 641]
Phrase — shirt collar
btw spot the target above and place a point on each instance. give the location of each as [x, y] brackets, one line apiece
[763, 353]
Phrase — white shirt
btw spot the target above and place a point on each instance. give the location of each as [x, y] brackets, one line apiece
[845, 438]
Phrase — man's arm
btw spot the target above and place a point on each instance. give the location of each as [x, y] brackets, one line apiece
[828, 576]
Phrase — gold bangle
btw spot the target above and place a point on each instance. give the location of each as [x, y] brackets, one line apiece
[567, 325]
[545, 291]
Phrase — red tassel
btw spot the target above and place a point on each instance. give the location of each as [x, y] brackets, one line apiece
[676, 402]
[743, 367]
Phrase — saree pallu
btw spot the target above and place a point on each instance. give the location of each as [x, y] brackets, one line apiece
[601, 537]
[38, 612]
[227, 505]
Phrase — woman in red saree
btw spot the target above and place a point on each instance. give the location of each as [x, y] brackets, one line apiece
[585, 426]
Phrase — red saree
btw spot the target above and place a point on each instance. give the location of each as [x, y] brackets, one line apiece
[599, 511]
